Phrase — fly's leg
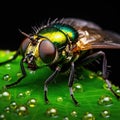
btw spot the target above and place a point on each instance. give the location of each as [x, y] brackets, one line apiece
[57, 70]
[22, 69]
[20, 79]
[93, 57]
[13, 58]
[70, 83]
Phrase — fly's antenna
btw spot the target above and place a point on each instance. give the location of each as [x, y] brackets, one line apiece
[33, 41]
[25, 34]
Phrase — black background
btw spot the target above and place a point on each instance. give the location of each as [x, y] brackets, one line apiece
[24, 15]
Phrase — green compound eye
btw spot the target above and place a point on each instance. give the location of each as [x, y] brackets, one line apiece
[47, 51]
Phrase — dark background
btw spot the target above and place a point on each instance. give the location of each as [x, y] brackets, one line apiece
[26, 14]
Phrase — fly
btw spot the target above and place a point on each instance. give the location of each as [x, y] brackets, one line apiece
[63, 43]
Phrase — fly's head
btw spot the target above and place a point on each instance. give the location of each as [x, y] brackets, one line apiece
[37, 48]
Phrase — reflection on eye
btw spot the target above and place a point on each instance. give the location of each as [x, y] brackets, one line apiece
[47, 51]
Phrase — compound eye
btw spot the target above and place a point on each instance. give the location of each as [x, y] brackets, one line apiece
[24, 45]
[47, 51]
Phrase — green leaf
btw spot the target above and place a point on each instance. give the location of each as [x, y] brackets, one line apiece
[25, 101]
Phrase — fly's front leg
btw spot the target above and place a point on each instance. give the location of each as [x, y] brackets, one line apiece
[104, 67]
[21, 78]
[57, 70]
[70, 83]
[22, 69]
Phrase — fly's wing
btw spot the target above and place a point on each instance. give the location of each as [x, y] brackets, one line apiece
[75, 22]
[109, 40]
[99, 39]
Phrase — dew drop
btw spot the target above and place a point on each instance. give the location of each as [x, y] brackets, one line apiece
[74, 114]
[7, 109]
[6, 95]
[2, 117]
[59, 99]
[99, 73]
[66, 118]
[105, 86]
[91, 75]
[28, 92]
[105, 100]
[22, 110]
[118, 92]
[32, 102]
[20, 95]
[7, 77]
[88, 116]
[19, 74]
[77, 87]
[13, 105]
[8, 66]
[52, 112]
[105, 114]
[32, 71]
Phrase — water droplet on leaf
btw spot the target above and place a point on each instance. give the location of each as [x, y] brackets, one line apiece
[77, 87]
[32, 102]
[65, 118]
[7, 109]
[105, 100]
[2, 117]
[32, 71]
[59, 99]
[52, 112]
[13, 105]
[19, 74]
[105, 114]
[105, 86]
[6, 95]
[8, 66]
[74, 114]
[28, 92]
[22, 110]
[99, 73]
[88, 116]
[91, 75]
[7, 77]
[20, 95]
[117, 92]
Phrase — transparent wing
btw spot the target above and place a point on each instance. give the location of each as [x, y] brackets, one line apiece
[98, 38]
[109, 40]
[75, 22]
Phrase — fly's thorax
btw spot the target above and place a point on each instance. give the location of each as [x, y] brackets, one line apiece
[59, 34]
[68, 30]
[56, 36]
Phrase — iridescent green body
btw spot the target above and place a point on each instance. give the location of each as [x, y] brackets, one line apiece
[59, 34]
[68, 30]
